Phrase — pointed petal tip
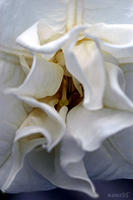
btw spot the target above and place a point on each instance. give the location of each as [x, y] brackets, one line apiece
[95, 195]
[6, 185]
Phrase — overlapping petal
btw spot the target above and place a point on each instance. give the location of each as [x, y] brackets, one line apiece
[100, 125]
[83, 61]
[92, 54]
[128, 74]
[54, 125]
[11, 76]
[114, 157]
[92, 11]
[28, 180]
[24, 64]
[116, 39]
[19, 151]
[30, 40]
[53, 167]
[116, 151]
[43, 80]
[25, 15]
[115, 96]
[72, 163]
[42, 128]
[118, 34]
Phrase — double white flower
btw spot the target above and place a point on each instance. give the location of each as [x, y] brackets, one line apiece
[63, 93]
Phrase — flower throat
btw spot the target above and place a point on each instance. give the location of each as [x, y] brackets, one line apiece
[70, 92]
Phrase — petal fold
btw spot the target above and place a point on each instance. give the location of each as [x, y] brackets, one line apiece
[28, 180]
[82, 61]
[49, 166]
[26, 41]
[115, 39]
[44, 127]
[72, 163]
[114, 157]
[43, 80]
[99, 125]
[114, 96]
[12, 27]
[12, 111]
[91, 62]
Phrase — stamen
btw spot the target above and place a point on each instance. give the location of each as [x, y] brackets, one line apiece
[70, 92]
[64, 101]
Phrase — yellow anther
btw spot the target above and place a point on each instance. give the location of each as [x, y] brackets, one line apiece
[63, 103]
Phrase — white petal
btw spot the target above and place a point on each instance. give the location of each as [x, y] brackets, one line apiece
[54, 123]
[49, 166]
[129, 83]
[12, 111]
[52, 165]
[10, 71]
[7, 137]
[119, 34]
[82, 61]
[43, 80]
[7, 134]
[115, 39]
[29, 39]
[114, 93]
[47, 33]
[27, 14]
[29, 137]
[39, 129]
[75, 13]
[11, 75]
[40, 122]
[20, 148]
[72, 163]
[91, 61]
[91, 128]
[24, 64]
[114, 157]
[110, 58]
[112, 12]
[28, 180]
[128, 74]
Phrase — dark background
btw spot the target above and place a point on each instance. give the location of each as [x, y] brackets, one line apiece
[120, 189]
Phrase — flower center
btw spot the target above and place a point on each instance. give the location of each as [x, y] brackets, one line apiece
[68, 94]
[70, 91]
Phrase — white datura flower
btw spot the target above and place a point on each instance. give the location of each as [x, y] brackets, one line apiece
[66, 109]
